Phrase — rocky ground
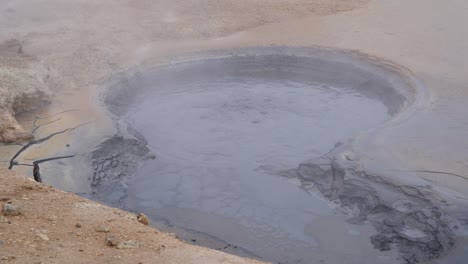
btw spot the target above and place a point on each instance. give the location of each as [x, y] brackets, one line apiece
[40, 224]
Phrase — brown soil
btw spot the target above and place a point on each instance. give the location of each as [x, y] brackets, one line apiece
[59, 227]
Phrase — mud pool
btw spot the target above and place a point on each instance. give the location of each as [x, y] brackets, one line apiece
[222, 131]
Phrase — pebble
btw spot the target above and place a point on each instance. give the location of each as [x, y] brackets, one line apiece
[43, 237]
[78, 225]
[2, 243]
[53, 218]
[128, 244]
[11, 210]
[103, 229]
[142, 218]
[111, 240]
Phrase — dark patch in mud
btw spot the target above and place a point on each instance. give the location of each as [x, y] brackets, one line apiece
[412, 223]
[113, 161]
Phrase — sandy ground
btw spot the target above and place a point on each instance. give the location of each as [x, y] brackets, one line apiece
[84, 43]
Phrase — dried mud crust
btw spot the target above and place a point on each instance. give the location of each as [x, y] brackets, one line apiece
[412, 222]
[22, 88]
[59, 227]
[113, 162]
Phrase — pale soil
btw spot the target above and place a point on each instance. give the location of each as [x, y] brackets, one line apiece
[55, 214]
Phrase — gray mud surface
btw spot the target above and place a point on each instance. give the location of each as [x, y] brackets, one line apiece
[253, 149]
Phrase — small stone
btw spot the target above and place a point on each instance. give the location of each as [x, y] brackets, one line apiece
[43, 237]
[53, 218]
[142, 218]
[3, 219]
[78, 225]
[2, 243]
[111, 240]
[102, 229]
[128, 244]
[11, 210]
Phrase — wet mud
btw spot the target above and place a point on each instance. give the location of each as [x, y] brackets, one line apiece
[244, 150]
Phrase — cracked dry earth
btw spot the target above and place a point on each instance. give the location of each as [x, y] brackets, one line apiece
[58, 227]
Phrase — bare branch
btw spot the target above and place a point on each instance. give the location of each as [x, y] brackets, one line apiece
[435, 172]
[36, 169]
[54, 158]
[36, 127]
[36, 117]
[66, 111]
[39, 141]
[23, 164]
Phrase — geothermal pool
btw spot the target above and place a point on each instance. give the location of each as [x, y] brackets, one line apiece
[224, 129]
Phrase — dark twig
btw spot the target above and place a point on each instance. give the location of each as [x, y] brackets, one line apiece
[36, 169]
[23, 164]
[36, 127]
[66, 111]
[54, 158]
[435, 172]
[39, 141]
[36, 117]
